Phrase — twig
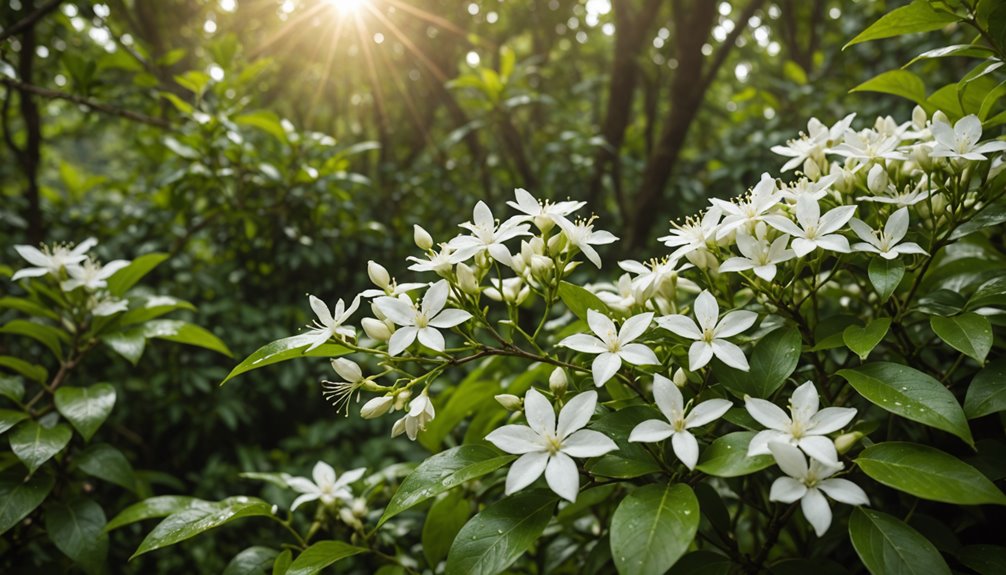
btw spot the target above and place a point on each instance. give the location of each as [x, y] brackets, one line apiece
[86, 102]
[29, 20]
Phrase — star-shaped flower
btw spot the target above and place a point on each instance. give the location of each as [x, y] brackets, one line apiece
[487, 236]
[325, 486]
[582, 235]
[672, 406]
[51, 260]
[710, 332]
[329, 323]
[544, 214]
[693, 235]
[813, 143]
[746, 212]
[421, 322]
[815, 231]
[611, 345]
[759, 256]
[90, 275]
[962, 140]
[546, 447]
[420, 413]
[886, 243]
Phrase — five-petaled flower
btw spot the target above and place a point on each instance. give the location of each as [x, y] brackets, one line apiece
[710, 332]
[420, 413]
[545, 446]
[612, 345]
[330, 323]
[888, 242]
[325, 486]
[421, 322]
[582, 235]
[815, 231]
[961, 141]
[544, 214]
[51, 260]
[487, 236]
[759, 255]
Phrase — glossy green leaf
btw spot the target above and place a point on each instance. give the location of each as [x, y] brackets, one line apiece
[579, 300]
[122, 280]
[12, 388]
[147, 308]
[184, 332]
[911, 394]
[28, 306]
[984, 559]
[29, 370]
[48, 336]
[441, 472]
[968, 333]
[9, 418]
[885, 275]
[128, 343]
[107, 463]
[888, 546]
[86, 408]
[160, 506]
[34, 444]
[631, 459]
[928, 473]
[500, 534]
[728, 456]
[255, 560]
[990, 293]
[897, 82]
[444, 520]
[919, 16]
[321, 555]
[773, 359]
[78, 530]
[19, 497]
[283, 350]
[190, 522]
[282, 562]
[652, 528]
[987, 392]
[959, 50]
[862, 340]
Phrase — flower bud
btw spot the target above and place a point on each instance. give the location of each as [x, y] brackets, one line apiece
[679, 378]
[466, 279]
[510, 402]
[939, 116]
[423, 239]
[811, 169]
[919, 118]
[402, 398]
[347, 369]
[378, 274]
[877, 180]
[375, 329]
[377, 407]
[846, 441]
[557, 382]
[920, 155]
[556, 244]
[541, 266]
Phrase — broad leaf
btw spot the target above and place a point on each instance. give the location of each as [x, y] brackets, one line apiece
[579, 300]
[29, 307]
[188, 523]
[446, 517]
[653, 527]
[12, 388]
[78, 530]
[885, 275]
[108, 463]
[990, 293]
[928, 473]
[321, 555]
[127, 277]
[183, 332]
[29, 370]
[441, 472]
[48, 336]
[9, 418]
[86, 408]
[888, 546]
[34, 444]
[984, 559]
[862, 340]
[919, 16]
[255, 560]
[987, 392]
[728, 456]
[774, 358]
[19, 497]
[160, 506]
[968, 333]
[911, 394]
[283, 350]
[897, 82]
[128, 343]
[500, 534]
[631, 459]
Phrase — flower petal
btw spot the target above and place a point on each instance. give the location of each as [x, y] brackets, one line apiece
[602, 326]
[831, 419]
[584, 343]
[516, 439]
[539, 413]
[323, 474]
[804, 402]
[735, 322]
[576, 413]
[787, 490]
[320, 310]
[686, 448]
[651, 431]
[450, 318]
[634, 327]
[835, 219]
[706, 412]
[588, 443]
[730, 354]
[431, 338]
[897, 225]
[668, 397]
[844, 491]
[350, 477]
[706, 310]
[680, 325]
[562, 476]
[399, 311]
[699, 355]
[307, 497]
[638, 354]
[604, 367]
[816, 510]
[401, 340]
[761, 440]
[767, 413]
[525, 470]
[302, 485]
[790, 460]
[820, 448]
[435, 298]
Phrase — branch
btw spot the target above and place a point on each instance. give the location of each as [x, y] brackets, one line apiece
[29, 20]
[86, 102]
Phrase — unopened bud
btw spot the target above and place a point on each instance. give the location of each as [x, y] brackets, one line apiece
[541, 266]
[557, 382]
[679, 378]
[919, 118]
[939, 116]
[877, 180]
[376, 329]
[423, 239]
[347, 369]
[811, 169]
[377, 407]
[378, 274]
[401, 399]
[846, 441]
[510, 402]
[556, 243]
[466, 279]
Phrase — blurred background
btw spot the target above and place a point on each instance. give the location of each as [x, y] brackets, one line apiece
[272, 147]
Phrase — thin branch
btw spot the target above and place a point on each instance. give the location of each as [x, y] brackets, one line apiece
[29, 20]
[86, 102]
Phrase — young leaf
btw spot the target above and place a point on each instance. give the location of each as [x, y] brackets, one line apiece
[86, 408]
[18, 497]
[887, 545]
[928, 473]
[968, 333]
[919, 16]
[188, 523]
[108, 463]
[911, 394]
[282, 350]
[728, 456]
[652, 528]
[34, 444]
[122, 280]
[862, 340]
[885, 275]
[29, 307]
[500, 534]
[987, 392]
[321, 555]
[579, 300]
[160, 506]
[77, 529]
[774, 359]
[441, 472]
[256, 560]
[446, 517]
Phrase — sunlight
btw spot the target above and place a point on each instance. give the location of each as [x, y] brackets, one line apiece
[347, 5]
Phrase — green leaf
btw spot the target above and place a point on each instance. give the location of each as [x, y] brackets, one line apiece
[774, 359]
[919, 16]
[160, 506]
[29, 307]
[984, 559]
[184, 332]
[888, 546]
[500, 534]
[255, 560]
[579, 300]
[728, 456]
[29, 370]
[898, 82]
[86, 408]
[968, 333]
[264, 120]
[862, 340]
[911, 394]
[77, 529]
[961, 50]
[282, 563]
[443, 522]
[108, 463]
[704, 562]
[441, 472]
[9, 418]
[129, 343]
[122, 280]
[190, 522]
[928, 473]
[46, 335]
[11, 388]
[631, 459]
[282, 350]
[19, 497]
[34, 444]
[987, 392]
[321, 555]
[653, 527]
[146, 308]
[990, 293]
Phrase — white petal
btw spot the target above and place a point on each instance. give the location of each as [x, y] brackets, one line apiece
[864, 231]
[831, 419]
[790, 460]
[651, 431]
[401, 340]
[398, 311]
[525, 470]
[450, 318]
[736, 264]
[766, 272]
[516, 439]
[804, 402]
[604, 367]
[584, 343]
[30, 273]
[833, 242]
[909, 248]
[686, 448]
[730, 354]
[808, 212]
[767, 413]
[320, 337]
[969, 129]
[539, 413]
[638, 354]
[601, 325]
[500, 253]
[323, 474]
[320, 310]
[591, 254]
[802, 247]
[302, 485]
[562, 476]
[435, 298]
[844, 491]
[668, 397]
[634, 327]
[835, 219]
[707, 411]
[699, 355]
[576, 413]
[897, 225]
[816, 510]
[431, 338]
[304, 499]
[783, 224]
[761, 440]
[680, 325]
[735, 322]
[33, 255]
[787, 490]
[482, 216]
[588, 443]
[349, 477]
[820, 448]
[706, 310]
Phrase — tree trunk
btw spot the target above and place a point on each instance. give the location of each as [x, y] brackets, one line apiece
[32, 154]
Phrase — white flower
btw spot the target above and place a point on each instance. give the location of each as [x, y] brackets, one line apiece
[386, 284]
[338, 393]
[710, 332]
[325, 485]
[440, 263]
[962, 140]
[90, 274]
[546, 447]
[806, 484]
[487, 236]
[886, 243]
[806, 188]
[759, 256]
[906, 197]
[109, 306]
[621, 296]
[420, 413]
[672, 405]
[815, 231]
[611, 345]
[748, 211]
[582, 235]
[693, 235]
[421, 322]
[868, 145]
[806, 428]
[51, 260]
[543, 214]
[329, 323]
[813, 143]
[655, 276]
